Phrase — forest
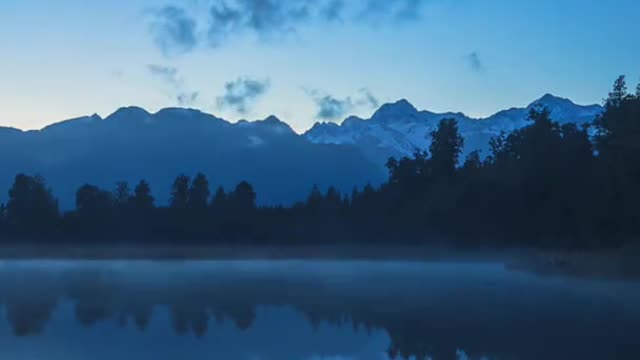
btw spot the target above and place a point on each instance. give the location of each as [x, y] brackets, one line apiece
[545, 186]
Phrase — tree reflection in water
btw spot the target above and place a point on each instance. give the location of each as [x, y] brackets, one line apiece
[434, 317]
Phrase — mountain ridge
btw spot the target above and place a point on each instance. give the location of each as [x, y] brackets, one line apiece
[402, 103]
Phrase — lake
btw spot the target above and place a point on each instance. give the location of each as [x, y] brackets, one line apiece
[309, 310]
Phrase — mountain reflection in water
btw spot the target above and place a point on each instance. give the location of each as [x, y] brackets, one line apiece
[308, 310]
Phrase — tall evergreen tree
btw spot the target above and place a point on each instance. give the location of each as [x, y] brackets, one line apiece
[472, 165]
[180, 193]
[32, 210]
[618, 145]
[122, 195]
[92, 200]
[142, 198]
[3, 214]
[314, 200]
[94, 212]
[199, 192]
[618, 94]
[445, 149]
[618, 126]
[244, 197]
[219, 199]
[333, 199]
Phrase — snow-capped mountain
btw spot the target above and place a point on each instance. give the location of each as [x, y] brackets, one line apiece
[399, 129]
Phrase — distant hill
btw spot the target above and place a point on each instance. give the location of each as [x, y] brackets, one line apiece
[132, 144]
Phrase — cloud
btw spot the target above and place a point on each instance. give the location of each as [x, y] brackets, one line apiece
[333, 10]
[174, 30]
[166, 73]
[367, 99]
[187, 98]
[392, 10]
[241, 93]
[118, 74]
[264, 18]
[333, 108]
[475, 62]
[171, 77]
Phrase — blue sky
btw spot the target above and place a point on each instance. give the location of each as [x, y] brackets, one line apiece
[253, 58]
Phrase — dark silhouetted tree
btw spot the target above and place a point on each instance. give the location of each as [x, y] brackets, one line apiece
[122, 195]
[199, 192]
[472, 163]
[32, 210]
[3, 226]
[446, 146]
[94, 212]
[219, 200]
[618, 94]
[315, 199]
[142, 199]
[618, 144]
[91, 200]
[333, 200]
[180, 193]
[243, 197]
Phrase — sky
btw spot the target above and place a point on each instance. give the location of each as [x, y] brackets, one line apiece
[307, 60]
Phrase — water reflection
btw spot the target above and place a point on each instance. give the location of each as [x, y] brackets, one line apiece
[308, 310]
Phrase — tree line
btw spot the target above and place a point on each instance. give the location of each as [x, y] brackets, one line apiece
[544, 185]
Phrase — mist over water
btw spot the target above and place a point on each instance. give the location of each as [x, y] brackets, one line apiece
[308, 310]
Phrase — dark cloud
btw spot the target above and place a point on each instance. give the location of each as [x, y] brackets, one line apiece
[367, 99]
[187, 98]
[333, 108]
[475, 62]
[392, 10]
[264, 18]
[174, 30]
[240, 94]
[170, 76]
[333, 10]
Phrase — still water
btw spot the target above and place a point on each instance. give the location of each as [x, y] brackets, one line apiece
[309, 310]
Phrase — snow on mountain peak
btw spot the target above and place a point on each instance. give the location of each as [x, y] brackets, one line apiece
[398, 110]
[272, 124]
[552, 101]
[398, 129]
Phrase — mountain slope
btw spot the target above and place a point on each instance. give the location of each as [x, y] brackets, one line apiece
[132, 144]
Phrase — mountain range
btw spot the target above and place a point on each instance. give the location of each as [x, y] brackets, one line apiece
[132, 144]
[399, 129]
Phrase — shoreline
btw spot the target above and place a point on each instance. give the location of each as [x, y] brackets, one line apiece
[239, 252]
[606, 264]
